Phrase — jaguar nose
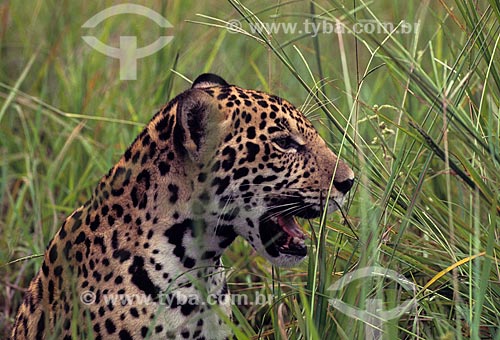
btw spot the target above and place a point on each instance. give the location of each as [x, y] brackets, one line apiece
[344, 186]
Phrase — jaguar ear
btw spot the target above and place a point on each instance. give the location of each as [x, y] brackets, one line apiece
[198, 124]
[208, 80]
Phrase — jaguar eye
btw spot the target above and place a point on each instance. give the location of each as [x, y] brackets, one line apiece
[286, 142]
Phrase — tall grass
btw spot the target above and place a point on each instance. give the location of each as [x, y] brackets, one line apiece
[415, 114]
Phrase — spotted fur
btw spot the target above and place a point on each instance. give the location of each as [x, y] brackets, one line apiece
[216, 162]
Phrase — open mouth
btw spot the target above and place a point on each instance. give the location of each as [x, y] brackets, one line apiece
[280, 234]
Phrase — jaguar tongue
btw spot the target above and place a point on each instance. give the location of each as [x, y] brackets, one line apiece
[290, 226]
[291, 241]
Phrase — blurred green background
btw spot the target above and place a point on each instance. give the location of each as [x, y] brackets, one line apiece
[413, 108]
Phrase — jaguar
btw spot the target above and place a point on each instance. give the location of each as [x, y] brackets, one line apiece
[216, 162]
